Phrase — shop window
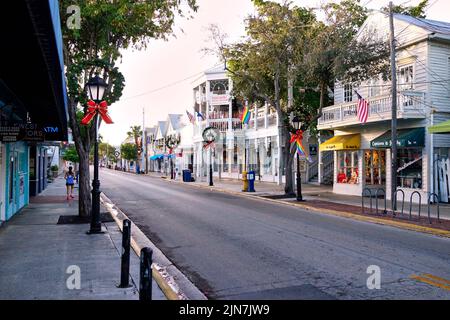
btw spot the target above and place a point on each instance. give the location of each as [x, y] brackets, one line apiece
[348, 167]
[348, 93]
[375, 167]
[409, 162]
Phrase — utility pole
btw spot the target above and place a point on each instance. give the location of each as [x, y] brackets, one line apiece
[144, 142]
[394, 111]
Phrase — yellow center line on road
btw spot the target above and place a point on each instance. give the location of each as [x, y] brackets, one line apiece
[432, 280]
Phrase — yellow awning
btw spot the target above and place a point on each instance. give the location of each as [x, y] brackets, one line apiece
[347, 142]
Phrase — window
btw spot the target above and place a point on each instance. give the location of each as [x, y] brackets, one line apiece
[374, 87]
[348, 167]
[406, 77]
[375, 167]
[348, 93]
[409, 162]
[406, 82]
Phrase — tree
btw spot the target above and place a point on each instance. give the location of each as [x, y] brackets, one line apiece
[259, 65]
[107, 28]
[414, 11]
[129, 151]
[287, 43]
[71, 155]
[136, 133]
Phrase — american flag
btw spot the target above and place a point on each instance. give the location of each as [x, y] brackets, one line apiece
[200, 115]
[363, 108]
[191, 117]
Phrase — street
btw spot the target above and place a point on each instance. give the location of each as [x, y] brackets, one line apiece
[238, 248]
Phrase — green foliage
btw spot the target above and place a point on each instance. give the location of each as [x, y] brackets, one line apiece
[135, 133]
[415, 11]
[128, 151]
[54, 167]
[71, 155]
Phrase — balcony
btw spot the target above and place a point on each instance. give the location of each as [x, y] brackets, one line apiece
[410, 105]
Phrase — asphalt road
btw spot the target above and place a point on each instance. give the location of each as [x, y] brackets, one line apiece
[238, 248]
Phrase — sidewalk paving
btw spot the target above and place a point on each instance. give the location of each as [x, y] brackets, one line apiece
[319, 194]
[35, 253]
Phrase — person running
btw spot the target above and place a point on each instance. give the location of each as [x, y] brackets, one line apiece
[69, 176]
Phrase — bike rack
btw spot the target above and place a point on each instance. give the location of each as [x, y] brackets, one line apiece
[395, 200]
[362, 199]
[435, 196]
[385, 200]
[410, 203]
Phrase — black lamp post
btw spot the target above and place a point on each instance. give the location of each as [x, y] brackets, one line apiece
[296, 124]
[95, 89]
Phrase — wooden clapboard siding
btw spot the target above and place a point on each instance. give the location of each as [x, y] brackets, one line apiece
[439, 91]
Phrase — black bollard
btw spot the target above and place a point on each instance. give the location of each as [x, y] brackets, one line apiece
[125, 266]
[145, 281]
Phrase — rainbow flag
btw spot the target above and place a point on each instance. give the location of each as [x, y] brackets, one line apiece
[245, 118]
[297, 139]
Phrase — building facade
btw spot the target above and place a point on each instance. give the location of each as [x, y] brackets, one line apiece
[33, 102]
[361, 153]
[238, 148]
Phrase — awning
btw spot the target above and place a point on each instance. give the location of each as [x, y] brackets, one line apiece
[406, 138]
[32, 67]
[347, 142]
[157, 156]
[443, 127]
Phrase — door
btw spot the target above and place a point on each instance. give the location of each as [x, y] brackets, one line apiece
[13, 183]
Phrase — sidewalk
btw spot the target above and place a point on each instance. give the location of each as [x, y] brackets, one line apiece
[36, 252]
[320, 196]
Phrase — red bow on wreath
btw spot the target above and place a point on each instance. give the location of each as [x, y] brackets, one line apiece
[210, 144]
[93, 109]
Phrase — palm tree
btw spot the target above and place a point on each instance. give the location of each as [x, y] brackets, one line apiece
[136, 133]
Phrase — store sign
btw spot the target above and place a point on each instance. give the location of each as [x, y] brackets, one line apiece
[21, 132]
[220, 99]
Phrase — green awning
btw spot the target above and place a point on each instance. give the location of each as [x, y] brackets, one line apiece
[406, 138]
[443, 127]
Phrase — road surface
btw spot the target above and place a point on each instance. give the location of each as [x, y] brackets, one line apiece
[233, 247]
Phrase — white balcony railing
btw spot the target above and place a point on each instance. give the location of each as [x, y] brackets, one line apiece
[409, 105]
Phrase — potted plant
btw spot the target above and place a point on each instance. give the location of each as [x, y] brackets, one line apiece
[54, 170]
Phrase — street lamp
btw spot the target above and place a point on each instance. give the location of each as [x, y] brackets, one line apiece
[95, 88]
[296, 123]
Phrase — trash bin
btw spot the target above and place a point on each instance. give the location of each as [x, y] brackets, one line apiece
[251, 181]
[187, 176]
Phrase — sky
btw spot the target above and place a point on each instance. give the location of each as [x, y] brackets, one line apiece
[159, 79]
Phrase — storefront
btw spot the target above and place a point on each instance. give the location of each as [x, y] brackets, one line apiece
[411, 158]
[363, 161]
[32, 109]
[347, 159]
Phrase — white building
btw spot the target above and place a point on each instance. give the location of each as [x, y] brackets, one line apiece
[254, 146]
[361, 153]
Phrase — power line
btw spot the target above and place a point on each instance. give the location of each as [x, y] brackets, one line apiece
[167, 85]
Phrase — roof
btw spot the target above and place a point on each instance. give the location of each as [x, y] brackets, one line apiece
[427, 24]
[216, 69]
[151, 130]
[162, 127]
[377, 26]
[175, 121]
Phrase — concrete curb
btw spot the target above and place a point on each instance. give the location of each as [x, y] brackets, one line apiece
[396, 224]
[173, 283]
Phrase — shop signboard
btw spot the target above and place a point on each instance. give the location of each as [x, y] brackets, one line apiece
[220, 99]
[21, 132]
